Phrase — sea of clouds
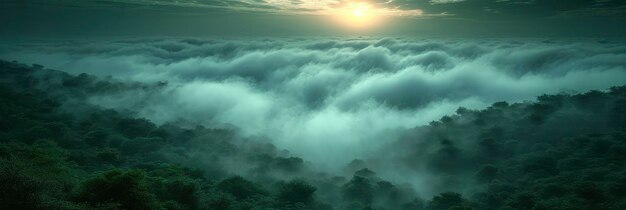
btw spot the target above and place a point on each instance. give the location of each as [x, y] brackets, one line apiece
[329, 100]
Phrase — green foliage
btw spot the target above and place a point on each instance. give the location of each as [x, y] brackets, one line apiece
[126, 188]
[96, 138]
[239, 187]
[560, 152]
[180, 186]
[487, 174]
[297, 191]
[133, 128]
[415, 204]
[18, 190]
[522, 202]
[142, 145]
[359, 189]
[445, 201]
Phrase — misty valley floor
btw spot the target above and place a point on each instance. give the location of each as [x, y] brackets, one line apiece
[332, 123]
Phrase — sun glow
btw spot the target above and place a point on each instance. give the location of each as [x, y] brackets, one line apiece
[359, 15]
[361, 10]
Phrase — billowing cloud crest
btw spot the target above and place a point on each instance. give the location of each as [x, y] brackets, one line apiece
[334, 99]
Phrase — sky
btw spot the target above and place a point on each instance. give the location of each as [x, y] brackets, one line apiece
[439, 18]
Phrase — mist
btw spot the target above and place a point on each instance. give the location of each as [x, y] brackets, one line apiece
[329, 100]
[313, 105]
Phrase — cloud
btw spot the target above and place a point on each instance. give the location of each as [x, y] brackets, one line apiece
[445, 1]
[333, 99]
[464, 8]
[483, 18]
[311, 7]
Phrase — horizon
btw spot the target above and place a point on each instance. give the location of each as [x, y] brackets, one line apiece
[278, 18]
[313, 105]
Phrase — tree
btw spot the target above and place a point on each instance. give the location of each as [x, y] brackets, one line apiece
[522, 202]
[239, 187]
[184, 191]
[359, 189]
[125, 187]
[487, 173]
[446, 201]
[291, 164]
[19, 191]
[590, 192]
[297, 191]
[96, 138]
[133, 128]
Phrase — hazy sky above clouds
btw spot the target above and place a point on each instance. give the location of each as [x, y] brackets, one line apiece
[458, 18]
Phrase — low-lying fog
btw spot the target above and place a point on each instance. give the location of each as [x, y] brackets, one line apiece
[329, 100]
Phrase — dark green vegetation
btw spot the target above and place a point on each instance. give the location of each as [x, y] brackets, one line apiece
[561, 152]
[59, 152]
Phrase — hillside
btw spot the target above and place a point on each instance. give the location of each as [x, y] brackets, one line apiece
[59, 151]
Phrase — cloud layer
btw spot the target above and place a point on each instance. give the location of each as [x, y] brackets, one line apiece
[463, 8]
[333, 99]
[474, 9]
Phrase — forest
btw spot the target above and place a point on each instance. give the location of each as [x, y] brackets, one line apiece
[59, 151]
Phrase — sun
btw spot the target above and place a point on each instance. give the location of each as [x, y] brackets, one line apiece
[361, 10]
[358, 15]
